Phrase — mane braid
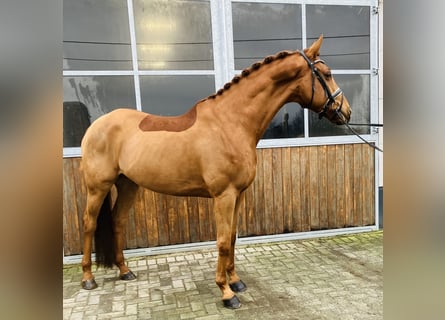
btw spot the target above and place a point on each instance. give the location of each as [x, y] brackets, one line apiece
[246, 72]
[269, 59]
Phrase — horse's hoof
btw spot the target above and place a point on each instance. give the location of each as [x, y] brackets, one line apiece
[238, 286]
[232, 303]
[127, 276]
[89, 284]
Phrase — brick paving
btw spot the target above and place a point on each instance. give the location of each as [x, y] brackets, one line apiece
[325, 278]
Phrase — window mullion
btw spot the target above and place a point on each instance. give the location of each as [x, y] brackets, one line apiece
[304, 42]
[134, 54]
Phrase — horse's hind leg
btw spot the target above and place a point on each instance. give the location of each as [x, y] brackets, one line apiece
[126, 193]
[95, 199]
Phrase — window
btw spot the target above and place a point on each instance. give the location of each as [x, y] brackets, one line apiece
[346, 45]
[175, 35]
[262, 29]
[96, 35]
[174, 95]
[162, 57]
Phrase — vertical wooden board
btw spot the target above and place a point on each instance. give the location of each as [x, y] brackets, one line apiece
[314, 189]
[131, 237]
[256, 207]
[184, 220]
[358, 183]
[364, 183]
[252, 208]
[141, 220]
[80, 194]
[368, 185]
[212, 221]
[162, 210]
[268, 220]
[332, 191]
[204, 219]
[305, 189]
[80, 198]
[70, 231]
[277, 183]
[349, 185]
[339, 186]
[80, 191]
[296, 186]
[193, 211]
[66, 209]
[322, 187]
[244, 206]
[149, 198]
[131, 228]
[372, 186]
[255, 212]
[172, 213]
[286, 170]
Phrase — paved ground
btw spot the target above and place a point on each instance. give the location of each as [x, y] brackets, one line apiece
[328, 278]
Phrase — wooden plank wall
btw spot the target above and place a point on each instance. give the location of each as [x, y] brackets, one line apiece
[296, 189]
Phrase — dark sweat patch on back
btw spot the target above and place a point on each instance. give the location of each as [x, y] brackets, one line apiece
[175, 124]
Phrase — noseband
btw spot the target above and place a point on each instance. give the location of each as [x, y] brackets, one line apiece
[330, 96]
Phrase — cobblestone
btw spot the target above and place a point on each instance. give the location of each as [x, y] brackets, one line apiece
[327, 278]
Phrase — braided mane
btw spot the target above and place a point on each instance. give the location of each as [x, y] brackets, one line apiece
[246, 72]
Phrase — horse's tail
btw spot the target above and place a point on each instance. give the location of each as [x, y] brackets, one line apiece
[104, 235]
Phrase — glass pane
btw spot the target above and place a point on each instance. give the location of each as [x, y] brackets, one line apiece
[262, 29]
[287, 123]
[87, 98]
[174, 95]
[356, 89]
[346, 32]
[96, 35]
[173, 35]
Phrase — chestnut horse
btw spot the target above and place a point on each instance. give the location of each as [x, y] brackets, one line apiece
[210, 151]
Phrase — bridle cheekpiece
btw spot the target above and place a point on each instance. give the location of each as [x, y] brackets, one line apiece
[330, 96]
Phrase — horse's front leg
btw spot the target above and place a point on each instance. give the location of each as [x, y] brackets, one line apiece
[126, 193]
[235, 282]
[224, 206]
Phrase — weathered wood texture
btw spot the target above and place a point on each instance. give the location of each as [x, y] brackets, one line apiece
[296, 189]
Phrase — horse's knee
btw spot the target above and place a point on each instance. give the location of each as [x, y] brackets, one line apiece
[223, 248]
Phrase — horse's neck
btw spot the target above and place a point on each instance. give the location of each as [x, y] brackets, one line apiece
[252, 103]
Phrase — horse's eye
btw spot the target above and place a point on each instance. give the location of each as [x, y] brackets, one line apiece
[328, 75]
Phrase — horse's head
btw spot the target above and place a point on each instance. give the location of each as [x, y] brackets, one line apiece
[318, 90]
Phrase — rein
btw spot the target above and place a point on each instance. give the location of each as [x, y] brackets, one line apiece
[358, 135]
[331, 98]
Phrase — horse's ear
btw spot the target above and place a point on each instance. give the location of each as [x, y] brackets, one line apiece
[314, 50]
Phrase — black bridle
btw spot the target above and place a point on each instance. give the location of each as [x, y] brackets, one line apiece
[330, 97]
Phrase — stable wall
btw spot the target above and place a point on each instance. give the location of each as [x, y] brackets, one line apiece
[296, 189]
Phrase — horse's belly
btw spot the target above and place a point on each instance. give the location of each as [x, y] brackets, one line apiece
[175, 187]
[168, 177]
